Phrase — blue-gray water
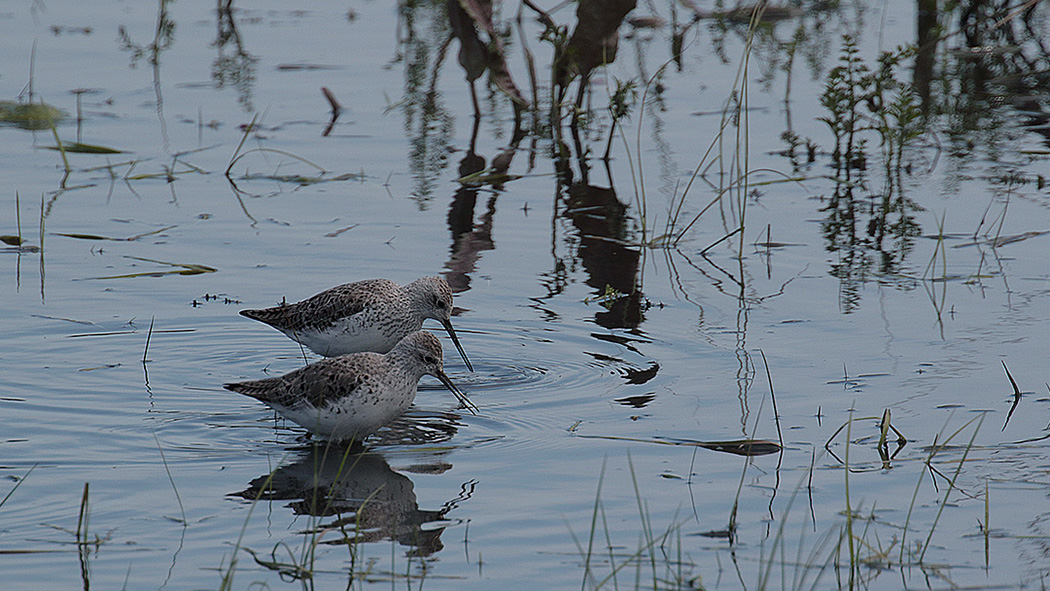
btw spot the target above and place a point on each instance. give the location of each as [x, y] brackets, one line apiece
[569, 380]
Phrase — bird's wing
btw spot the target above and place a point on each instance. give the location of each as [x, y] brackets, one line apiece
[324, 309]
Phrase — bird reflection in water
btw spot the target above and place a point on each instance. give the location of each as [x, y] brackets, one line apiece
[469, 240]
[365, 499]
[611, 264]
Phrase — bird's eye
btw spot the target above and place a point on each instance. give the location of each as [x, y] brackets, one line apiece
[441, 304]
[429, 359]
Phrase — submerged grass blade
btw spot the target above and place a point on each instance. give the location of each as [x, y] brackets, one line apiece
[18, 483]
[145, 351]
[951, 483]
[82, 518]
[18, 217]
[853, 566]
[773, 397]
[164, 460]
[305, 181]
[594, 526]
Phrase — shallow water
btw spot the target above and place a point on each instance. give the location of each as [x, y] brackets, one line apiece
[579, 391]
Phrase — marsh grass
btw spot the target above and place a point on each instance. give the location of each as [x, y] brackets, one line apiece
[164, 460]
[855, 547]
[856, 551]
[726, 156]
[658, 560]
[228, 570]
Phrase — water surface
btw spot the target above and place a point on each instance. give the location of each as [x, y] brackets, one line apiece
[595, 343]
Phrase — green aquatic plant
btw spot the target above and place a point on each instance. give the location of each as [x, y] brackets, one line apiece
[30, 116]
[860, 100]
[845, 89]
[872, 227]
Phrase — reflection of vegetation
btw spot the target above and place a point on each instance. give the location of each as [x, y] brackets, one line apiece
[424, 29]
[859, 245]
[348, 497]
[843, 94]
[476, 57]
[860, 102]
[612, 265]
[163, 37]
[996, 53]
[1001, 69]
[593, 43]
[236, 70]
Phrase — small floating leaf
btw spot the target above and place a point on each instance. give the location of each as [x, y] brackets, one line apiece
[741, 447]
[192, 269]
[306, 66]
[97, 237]
[304, 180]
[11, 240]
[335, 233]
[84, 236]
[185, 269]
[80, 148]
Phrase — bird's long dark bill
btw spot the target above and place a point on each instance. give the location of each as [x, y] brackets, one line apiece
[455, 341]
[456, 391]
